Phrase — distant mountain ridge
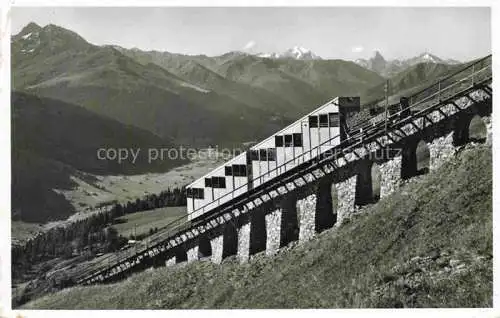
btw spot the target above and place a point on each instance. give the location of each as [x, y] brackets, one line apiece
[64, 66]
[169, 94]
[388, 68]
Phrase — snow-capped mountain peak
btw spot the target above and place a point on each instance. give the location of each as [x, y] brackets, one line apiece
[296, 52]
[24, 37]
[429, 57]
[426, 58]
[299, 52]
[28, 39]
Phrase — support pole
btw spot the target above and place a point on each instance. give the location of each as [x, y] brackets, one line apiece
[386, 91]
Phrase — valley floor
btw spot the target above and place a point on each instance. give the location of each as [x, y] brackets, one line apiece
[120, 188]
[428, 245]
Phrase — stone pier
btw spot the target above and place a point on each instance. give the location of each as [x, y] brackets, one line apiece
[170, 261]
[441, 150]
[390, 176]
[244, 243]
[217, 249]
[489, 129]
[346, 192]
[306, 212]
[192, 254]
[273, 230]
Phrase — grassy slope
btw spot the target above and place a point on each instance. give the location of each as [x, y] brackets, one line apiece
[142, 222]
[445, 218]
[72, 135]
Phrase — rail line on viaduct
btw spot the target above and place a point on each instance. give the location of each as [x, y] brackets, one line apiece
[299, 204]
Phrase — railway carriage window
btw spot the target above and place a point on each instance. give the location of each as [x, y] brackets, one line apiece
[208, 182]
[271, 154]
[297, 140]
[263, 154]
[334, 119]
[288, 141]
[239, 170]
[228, 171]
[197, 193]
[200, 194]
[313, 121]
[279, 141]
[218, 182]
[254, 155]
[323, 120]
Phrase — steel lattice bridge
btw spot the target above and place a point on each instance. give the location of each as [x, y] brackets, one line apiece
[285, 208]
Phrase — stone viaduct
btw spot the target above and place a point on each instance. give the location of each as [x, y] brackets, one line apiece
[328, 192]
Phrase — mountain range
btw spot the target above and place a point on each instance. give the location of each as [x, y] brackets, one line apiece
[71, 96]
[389, 68]
[169, 93]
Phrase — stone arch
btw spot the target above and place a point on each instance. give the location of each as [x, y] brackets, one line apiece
[364, 190]
[408, 162]
[467, 128]
[460, 135]
[289, 220]
[159, 261]
[258, 232]
[376, 177]
[326, 205]
[415, 159]
[476, 130]
[229, 240]
[204, 247]
[180, 255]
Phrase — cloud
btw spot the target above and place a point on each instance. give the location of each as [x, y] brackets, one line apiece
[357, 49]
[249, 45]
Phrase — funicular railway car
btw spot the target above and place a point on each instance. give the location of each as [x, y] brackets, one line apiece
[299, 142]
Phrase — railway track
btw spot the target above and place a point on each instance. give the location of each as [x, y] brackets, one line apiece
[476, 75]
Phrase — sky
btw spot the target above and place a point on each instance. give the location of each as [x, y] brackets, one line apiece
[350, 33]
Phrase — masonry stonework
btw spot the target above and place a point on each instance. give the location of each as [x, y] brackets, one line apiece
[192, 254]
[390, 176]
[217, 248]
[171, 261]
[273, 230]
[306, 212]
[489, 129]
[244, 243]
[346, 192]
[441, 149]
